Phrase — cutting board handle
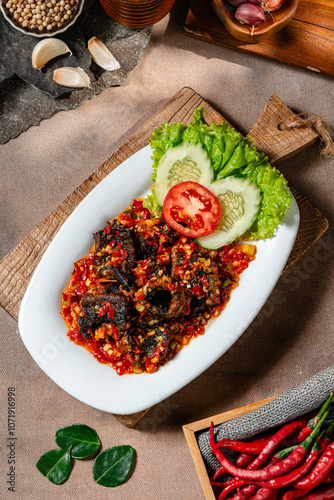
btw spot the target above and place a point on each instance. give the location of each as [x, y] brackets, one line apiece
[279, 145]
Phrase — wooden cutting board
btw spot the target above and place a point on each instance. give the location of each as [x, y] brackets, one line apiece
[16, 269]
[308, 41]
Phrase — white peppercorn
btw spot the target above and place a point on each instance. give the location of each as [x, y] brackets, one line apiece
[41, 15]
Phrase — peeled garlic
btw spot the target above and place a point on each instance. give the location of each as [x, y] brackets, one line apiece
[47, 49]
[101, 55]
[71, 77]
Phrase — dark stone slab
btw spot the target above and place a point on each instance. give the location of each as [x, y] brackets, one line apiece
[28, 96]
[17, 50]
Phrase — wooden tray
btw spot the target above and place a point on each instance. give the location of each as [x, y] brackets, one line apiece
[16, 269]
[308, 41]
[192, 430]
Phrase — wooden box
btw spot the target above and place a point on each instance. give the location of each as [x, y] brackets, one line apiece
[191, 432]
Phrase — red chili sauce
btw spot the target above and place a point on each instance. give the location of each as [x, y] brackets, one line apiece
[165, 266]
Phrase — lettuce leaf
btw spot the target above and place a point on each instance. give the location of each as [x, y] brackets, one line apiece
[151, 203]
[230, 154]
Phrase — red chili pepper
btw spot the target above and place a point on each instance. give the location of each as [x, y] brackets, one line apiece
[214, 483]
[240, 495]
[329, 478]
[219, 472]
[326, 437]
[277, 469]
[252, 489]
[126, 219]
[325, 493]
[231, 485]
[196, 290]
[106, 309]
[217, 453]
[275, 441]
[161, 248]
[291, 494]
[137, 204]
[319, 471]
[306, 431]
[264, 494]
[146, 214]
[254, 447]
[75, 335]
[295, 474]
[243, 460]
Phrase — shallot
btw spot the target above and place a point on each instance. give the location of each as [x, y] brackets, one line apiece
[273, 4]
[250, 14]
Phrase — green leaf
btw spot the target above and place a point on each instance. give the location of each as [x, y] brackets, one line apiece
[151, 203]
[83, 440]
[55, 465]
[112, 466]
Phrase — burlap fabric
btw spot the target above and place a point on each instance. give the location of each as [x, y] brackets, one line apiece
[304, 398]
[289, 340]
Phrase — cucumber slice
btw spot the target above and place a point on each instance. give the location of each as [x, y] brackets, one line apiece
[186, 162]
[240, 202]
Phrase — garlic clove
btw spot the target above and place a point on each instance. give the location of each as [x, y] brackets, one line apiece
[48, 49]
[101, 55]
[71, 77]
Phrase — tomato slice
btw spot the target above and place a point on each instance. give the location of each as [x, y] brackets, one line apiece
[191, 209]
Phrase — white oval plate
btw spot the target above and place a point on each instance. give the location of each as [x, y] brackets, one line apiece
[44, 332]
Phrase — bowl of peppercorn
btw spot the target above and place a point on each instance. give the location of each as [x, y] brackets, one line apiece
[41, 18]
